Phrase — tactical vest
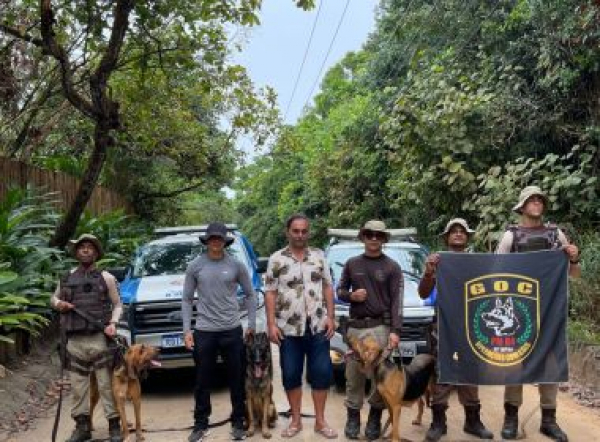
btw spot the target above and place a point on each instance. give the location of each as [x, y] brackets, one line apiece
[89, 293]
[530, 240]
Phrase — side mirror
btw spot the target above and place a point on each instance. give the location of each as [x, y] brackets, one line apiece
[118, 272]
[262, 265]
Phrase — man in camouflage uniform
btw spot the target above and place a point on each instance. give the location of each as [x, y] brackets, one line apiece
[90, 307]
[531, 234]
[456, 236]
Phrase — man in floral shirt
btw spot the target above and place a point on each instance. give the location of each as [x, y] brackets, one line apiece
[300, 312]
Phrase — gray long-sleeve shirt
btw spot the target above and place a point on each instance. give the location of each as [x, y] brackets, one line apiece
[216, 283]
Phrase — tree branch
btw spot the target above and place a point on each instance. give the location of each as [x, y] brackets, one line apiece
[156, 195]
[108, 63]
[52, 47]
[21, 35]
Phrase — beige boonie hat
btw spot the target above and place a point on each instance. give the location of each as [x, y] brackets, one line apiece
[374, 225]
[527, 193]
[461, 222]
[74, 243]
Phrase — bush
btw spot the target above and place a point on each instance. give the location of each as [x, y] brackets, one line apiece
[584, 308]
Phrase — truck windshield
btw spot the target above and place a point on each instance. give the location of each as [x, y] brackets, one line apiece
[411, 260]
[173, 258]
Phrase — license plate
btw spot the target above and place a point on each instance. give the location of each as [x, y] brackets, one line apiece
[175, 340]
[408, 349]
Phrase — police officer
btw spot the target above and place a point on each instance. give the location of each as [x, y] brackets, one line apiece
[374, 286]
[456, 236]
[90, 306]
[529, 235]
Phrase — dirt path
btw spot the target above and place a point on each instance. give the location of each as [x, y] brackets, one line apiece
[168, 404]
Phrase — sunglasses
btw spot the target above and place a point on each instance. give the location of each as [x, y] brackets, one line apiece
[370, 234]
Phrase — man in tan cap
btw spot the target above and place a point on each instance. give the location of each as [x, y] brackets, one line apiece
[456, 236]
[90, 306]
[373, 285]
[531, 234]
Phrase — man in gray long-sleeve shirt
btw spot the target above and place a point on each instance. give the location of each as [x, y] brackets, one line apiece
[215, 276]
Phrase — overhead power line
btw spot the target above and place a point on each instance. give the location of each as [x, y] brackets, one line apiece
[312, 31]
[328, 52]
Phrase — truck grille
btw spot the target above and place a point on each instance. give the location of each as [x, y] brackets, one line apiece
[414, 329]
[156, 317]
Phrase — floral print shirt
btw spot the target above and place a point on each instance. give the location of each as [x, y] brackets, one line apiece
[299, 286]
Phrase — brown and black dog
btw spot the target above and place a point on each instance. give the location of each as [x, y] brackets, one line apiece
[399, 386]
[126, 384]
[260, 408]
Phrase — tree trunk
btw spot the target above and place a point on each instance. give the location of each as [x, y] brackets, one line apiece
[68, 225]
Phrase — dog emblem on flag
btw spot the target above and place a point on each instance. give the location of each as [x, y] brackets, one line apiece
[503, 317]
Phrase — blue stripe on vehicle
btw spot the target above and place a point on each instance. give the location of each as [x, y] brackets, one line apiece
[129, 289]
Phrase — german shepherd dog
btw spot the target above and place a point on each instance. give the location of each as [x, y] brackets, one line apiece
[260, 408]
[399, 386]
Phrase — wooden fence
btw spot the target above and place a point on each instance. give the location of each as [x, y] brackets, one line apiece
[19, 174]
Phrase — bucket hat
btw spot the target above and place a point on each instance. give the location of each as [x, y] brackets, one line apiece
[374, 226]
[216, 229]
[74, 243]
[527, 193]
[461, 222]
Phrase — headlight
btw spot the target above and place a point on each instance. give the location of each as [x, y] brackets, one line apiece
[337, 358]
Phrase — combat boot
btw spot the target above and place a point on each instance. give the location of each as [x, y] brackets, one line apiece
[550, 428]
[352, 429]
[438, 423]
[83, 429]
[510, 428]
[473, 424]
[373, 427]
[114, 430]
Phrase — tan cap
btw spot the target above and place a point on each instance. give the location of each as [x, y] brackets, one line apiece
[374, 225]
[461, 222]
[74, 243]
[527, 193]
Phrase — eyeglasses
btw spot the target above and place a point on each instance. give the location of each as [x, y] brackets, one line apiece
[215, 237]
[370, 234]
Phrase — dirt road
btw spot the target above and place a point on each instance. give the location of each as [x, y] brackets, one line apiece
[168, 405]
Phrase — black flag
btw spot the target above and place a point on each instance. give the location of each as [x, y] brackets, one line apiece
[502, 318]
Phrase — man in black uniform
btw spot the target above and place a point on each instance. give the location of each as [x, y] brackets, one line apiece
[90, 307]
[530, 235]
[373, 285]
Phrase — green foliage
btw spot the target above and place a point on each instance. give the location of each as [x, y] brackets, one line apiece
[120, 235]
[29, 269]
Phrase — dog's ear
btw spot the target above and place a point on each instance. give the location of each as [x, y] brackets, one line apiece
[249, 338]
[130, 362]
[498, 303]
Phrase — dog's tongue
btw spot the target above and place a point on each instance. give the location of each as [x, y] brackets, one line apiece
[155, 363]
[258, 371]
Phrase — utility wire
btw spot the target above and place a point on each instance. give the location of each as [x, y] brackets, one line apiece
[328, 52]
[312, 31]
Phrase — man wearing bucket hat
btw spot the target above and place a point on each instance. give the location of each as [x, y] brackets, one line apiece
[373, 285]
[215, 277]
[456, 235]
[90, 306]
[531, 234]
